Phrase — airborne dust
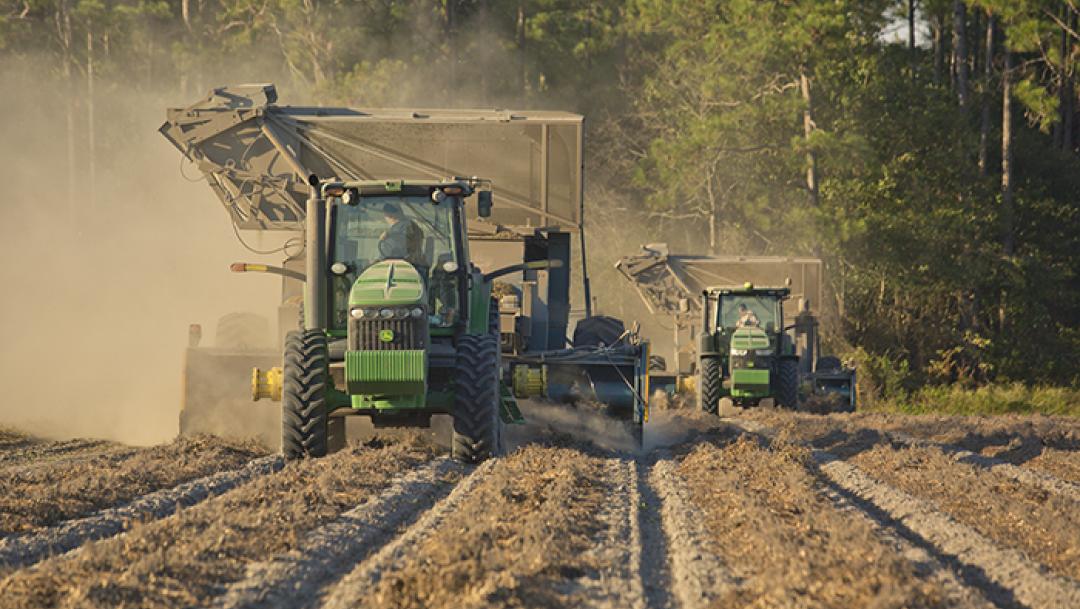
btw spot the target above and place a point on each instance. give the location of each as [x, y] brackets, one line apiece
[100, 286]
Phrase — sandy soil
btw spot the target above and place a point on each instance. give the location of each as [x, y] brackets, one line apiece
[186, 559]
[521, 538]
[33, 497]
[787, 544]
[780, 510]
[1045, 526]
[1045, 443]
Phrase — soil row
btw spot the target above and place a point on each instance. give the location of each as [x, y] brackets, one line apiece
[1050, 444]
[535, 530]
[785, 542]
[40, 496]
[189, 558]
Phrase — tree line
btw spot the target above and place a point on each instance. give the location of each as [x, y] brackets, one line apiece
[925, 149]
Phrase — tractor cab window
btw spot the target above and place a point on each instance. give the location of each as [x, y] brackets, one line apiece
[749, 311]
[409, 228]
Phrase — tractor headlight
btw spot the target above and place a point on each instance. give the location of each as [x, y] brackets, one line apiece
[417, 313]
[738, 352]
[401, 313]
[386, 313]
[357, 313]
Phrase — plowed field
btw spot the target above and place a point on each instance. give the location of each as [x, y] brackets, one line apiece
[766, 509]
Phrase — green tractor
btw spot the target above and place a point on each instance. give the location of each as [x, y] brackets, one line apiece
[744, 353]
[397, 324]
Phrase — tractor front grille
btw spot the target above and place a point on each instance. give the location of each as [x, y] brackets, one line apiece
[372, 334]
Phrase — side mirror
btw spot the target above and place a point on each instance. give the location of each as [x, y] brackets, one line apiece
[484, 203]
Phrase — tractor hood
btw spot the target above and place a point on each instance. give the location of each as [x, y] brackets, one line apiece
[745, 339]
[388, 282]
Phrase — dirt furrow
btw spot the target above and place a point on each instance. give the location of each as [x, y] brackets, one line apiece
[784, 541]
[695, 576]
[1031, 477]
[191, 557]
[1044, 525]
[36, 497]
[25, 550]
[1044, 444]
[47, 452]
[292, 580]
[543, 527]
[1007, 576]
[927, 565]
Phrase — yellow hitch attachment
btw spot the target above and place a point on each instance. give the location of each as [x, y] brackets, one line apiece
[529, 382]
[266, 384]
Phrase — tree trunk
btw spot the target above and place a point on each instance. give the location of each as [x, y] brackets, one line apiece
[1070, 89]
[911, 26]
[808, 129]
[913, 56]
[91, 183]
[521, 22]
[939, 48]
[988, 73]
[960, 58]
[63, 26]
[1007, 212]
[450, 24]
[1064, 89]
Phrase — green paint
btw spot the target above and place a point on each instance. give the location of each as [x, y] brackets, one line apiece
[749, 383]
[749, 338]
[386, 336]
[508, 408]
[388, 282]
[479, 305]
[386, 373]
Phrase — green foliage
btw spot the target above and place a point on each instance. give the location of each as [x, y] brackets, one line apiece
[1015, 398]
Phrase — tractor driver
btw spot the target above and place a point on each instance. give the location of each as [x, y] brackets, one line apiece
[747, 318]
[403, 239]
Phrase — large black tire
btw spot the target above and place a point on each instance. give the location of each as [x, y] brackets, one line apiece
[303, 400]
[787, 384]
[709, 385]
[477, 433]
[598, 330]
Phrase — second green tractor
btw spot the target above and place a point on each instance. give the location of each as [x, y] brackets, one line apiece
[744, 353]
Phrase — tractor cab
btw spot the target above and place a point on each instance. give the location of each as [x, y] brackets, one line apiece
[405, 231]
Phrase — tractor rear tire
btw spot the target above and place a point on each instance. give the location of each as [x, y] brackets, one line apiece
[303, 399]
[787, 384]
[477, 434]
[598, 330]
[709, 385]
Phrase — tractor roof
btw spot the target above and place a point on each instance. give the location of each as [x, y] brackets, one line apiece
[749, 289]
[404, 187]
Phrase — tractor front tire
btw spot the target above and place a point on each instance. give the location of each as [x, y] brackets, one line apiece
[477, 432]
[303, 400]
[709, 385]
[787, 384]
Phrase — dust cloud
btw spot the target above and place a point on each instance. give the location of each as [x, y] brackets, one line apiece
[100, 287]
